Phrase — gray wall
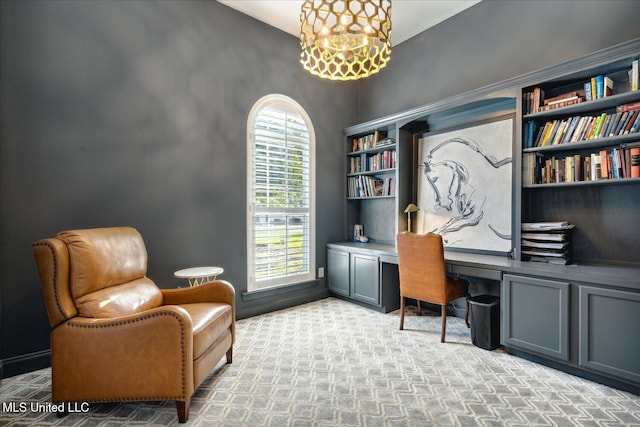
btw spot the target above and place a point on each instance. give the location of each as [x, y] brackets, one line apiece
[134, 113]
[491, 42]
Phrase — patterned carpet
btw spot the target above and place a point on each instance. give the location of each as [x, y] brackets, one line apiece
[333, 363]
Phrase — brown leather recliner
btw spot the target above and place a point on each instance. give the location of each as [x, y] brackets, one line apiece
[116, 336]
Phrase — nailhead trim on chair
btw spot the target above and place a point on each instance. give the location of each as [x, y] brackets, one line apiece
[122, 322]
[55, 277]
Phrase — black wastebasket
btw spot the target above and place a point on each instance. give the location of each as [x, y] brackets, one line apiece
[485, 321]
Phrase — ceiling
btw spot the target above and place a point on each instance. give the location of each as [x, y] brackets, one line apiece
[409, 17]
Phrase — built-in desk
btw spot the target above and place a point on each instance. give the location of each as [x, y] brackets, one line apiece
[368, 272]
[488, 266]
[581, 319]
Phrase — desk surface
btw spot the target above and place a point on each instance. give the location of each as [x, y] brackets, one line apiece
[626, 277]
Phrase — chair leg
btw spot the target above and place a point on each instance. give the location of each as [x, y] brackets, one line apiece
[230, 355]
[444, 322]
[401, 312]
[183, 410]
[466, 314]
[419, 307]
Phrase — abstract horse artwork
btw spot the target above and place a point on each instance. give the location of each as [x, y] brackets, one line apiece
[464, 186]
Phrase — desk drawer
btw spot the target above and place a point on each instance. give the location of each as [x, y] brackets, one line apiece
[484, 273]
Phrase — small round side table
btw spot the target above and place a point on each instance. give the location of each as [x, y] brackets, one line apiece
[199, 275]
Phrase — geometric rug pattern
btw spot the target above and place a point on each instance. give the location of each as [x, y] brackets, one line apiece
[333, 363]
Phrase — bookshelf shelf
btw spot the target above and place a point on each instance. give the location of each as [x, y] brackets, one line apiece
[374, 172]
[603, 182]
[377, 149]
[588, 144]
[371, 198]
[587, 106]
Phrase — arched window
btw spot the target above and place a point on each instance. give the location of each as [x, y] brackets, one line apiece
[280, 194]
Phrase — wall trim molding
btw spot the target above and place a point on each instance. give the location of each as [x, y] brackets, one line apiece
[282, 301]
[505, 88]
[28, 362]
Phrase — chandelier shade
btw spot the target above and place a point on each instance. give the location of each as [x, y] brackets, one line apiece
[345, 40]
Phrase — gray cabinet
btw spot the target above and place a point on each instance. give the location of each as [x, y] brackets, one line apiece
[536, 315]
[365, 278]
[354, 275]
[592, 329]
[338, 272]
[609, 331]
[360, 273]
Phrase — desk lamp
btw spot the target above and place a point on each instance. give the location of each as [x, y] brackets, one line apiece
[408, 210]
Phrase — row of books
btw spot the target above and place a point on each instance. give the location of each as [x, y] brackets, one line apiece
[535, 102]
[369, 186]
[373, 140]
[583, 128]
[596, 87]
[618, 163]
[548, 242]
[374, 162]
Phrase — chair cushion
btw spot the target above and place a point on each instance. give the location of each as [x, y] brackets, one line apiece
[103, 257]
[128, 298]
[210, 320]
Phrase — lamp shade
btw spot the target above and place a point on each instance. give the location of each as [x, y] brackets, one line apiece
[345, 40]
[411, 208]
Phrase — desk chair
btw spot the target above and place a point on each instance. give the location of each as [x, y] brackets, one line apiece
[423, 275]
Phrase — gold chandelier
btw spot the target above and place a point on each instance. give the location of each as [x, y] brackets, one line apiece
[345, 40]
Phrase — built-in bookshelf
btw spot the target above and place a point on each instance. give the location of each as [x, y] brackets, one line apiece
[371, 166]
[373, 157]
[580, 145]
[555, 180]
[583, 129]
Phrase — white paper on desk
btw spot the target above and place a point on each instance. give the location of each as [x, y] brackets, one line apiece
[549, 237]
[547, 245]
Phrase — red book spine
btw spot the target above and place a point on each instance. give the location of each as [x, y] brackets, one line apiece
[635, 162]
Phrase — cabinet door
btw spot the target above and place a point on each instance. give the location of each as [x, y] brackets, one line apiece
[536, 315]
[365, 278]
[338, 272]
[610, 332]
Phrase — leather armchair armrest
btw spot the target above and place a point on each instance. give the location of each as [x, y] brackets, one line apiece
[214, 291]
[219, 291]
[143, 356]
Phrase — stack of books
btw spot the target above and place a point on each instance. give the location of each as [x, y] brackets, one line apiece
[548, 242]
[535, 101]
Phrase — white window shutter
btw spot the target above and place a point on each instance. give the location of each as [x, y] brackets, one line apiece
[280, 219]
